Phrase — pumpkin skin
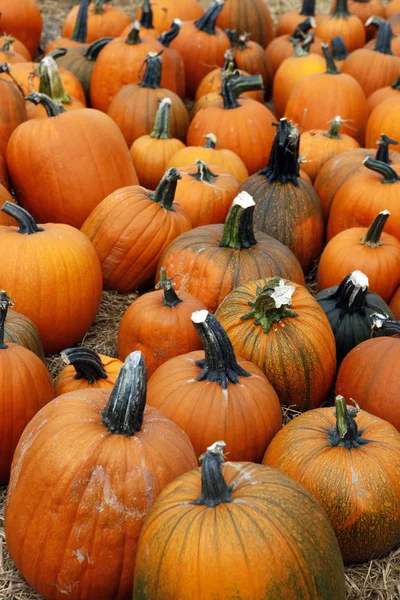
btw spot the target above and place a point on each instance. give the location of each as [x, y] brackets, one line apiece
[252, 16]
[5, 196]
[165, 11]
[12, 112]
[383, 118]
[108, 21]
[259, 499]
[251, 58]
[342, 23]
[23, 20]
[114, 477]
[290, 19]
[86, 370]
[71, 186]
[297, 354]
[129, 253]
[18, 329]
[224, 397]
[282, 47]
[334, 474]
[384, 93]
[395, 303]
[17, 46]
[211, 84]
[212, 260]
[60, 294]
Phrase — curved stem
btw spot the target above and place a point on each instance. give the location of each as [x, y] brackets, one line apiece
[339, 50]
[125, 408]
[346, 432]
[133, 36]
[238, 229]
[384, 37]
[86, 362]
[203, 173]
[283, 164]
[302, 29]
[168, 36]
[382, 154]
[220, 364]
[373, 236]
[50, 82]
[352, 292]
[211, 140]
[26, 222]
[308, 8]
[334, 129]
[171, 298]
[53, 108]
[146, 19]
[80, 30]
[388, 174]
[330, 63]
[271, 304]
[214, 489]
[57, 53]
[5, 303]
[382, 326]
[94, 49]
[233, 86]
[152, 75]
[161, 124]
[165, 192]
[98, 7]
[207, 21]
[341, 11]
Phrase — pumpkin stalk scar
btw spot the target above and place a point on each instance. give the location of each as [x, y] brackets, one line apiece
[271, 304]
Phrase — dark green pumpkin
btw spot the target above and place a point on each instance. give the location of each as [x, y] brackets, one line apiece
[18, 329]
[349, 308]
[287, 207]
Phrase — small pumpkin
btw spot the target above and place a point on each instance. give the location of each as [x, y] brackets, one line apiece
[23, 20]
[384, 93]
[146, 21]
[384, 117]
[282, 46]
[12, 110]
[16, 46]
[250, 57]
[166, 11]
[342, 22]
[86, 370]
[79, 34]
[8, 54]
[364, 10]
[104, 20]
[334, 456]
[253, 16]
[290, 19]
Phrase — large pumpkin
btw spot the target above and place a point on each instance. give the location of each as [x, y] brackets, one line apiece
[99, 459]
[104, 20]
[193, 530]
[352, 467]
[280, 327]
[86, 369]
[22, 19]
[165, 11]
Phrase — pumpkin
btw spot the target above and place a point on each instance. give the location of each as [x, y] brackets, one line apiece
[392, 8]
[166, 11]
[223, 395]
[205, 512]
[342, 166]
[7, 54]
[86, 369]
[4, 179]
[334, 456]
[395, 303]
[146, 21]
[251, 58]
[376, 253]
[252, 144]
[18, 329]
[22, 19]
[342, 95]
[364, 10]
[4, 197]
[206, 193]
[253, 16]
[383, 118]
[93, 454]
[287, 208]
[339, 51]
[134, 107]
[158, 324]
[210, 154]
[79, 34]
[349, 307]
[67, 151]
[279, 326]
[25, 387]
[211, 261]
[152, 153]
[376, 67]
[362, 196]
[103, 20]
[131, 228]
[12, 110]
[384, 93]
[54, 274]
[16, 46]
[318, 146]
[290, 19]
[166, 38]
[341, 22]
[282, 46]
[202, 46]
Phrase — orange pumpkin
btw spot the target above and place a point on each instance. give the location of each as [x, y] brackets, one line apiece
[282, 46]
[166, 11]
[364, 10]
[341, 22]
[253, 16]
[146, 21]
[290, 19]
[8, 54]
[385, 117]
[79, 34]
[86, 369]
[16, 46]
[384, 93]
[92, 454]
[251, 58]
[20, 330]
[103, 20]
[166, 38]
[22, 19]
[4, 197]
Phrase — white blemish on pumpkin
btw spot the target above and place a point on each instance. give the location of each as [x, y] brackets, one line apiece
[81, 556]
[354, 478]
[282, 294]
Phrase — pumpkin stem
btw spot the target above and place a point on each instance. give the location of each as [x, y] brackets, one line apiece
[220, 364]
[334, 129]
[341, 11]
[5, 303]
[50, 81]
[161, 124]
[302, 28]
[384, 37]
[339, 49]
[373, 236]
[8, 42]
[382, 326]
[308, 8]
[214, 489]
[94, 49]
[283, 164]
[57, 53]
[352, 292]
[203, 173]
[382, 154]
[396, 85]
[242, 40]
[388, 174]
[238, 229]
[165, 192]
[133, 36]
[26, 222]
[330, 63]
[271, 304]
[98, 7]
[80, 30]
[229, 61]
[153, 72]
[299, 48]
[211, 140]
[231, 33]
[346, 433]
[53, 107]
[86, 362]
[207, 21]
[168, 36]
[146, 20]
[171, 298]
[123, 414]
[233, 86]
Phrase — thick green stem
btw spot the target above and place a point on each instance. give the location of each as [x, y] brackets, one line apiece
[207, 21]
[50, 82]
[220, 364]
[53, 108]
[124, 412]
[388, 174]
[351, 294]
[283, 164]
[171, 298]
[334, 129]
[271, 304]
[233, 86]
[80, 30]
[330, 63]
[308, 8]
[26, 222]
[373, 236]
[339, 50]
[214, 489]
[5, 303]
[203, 173]
[94, 49]
[161, 124]
[165, 192]
[168, 36]
[153, 72]
[341, 11]
[146, 19]
[238, 229]
[346, 433]
[86, 362]
[384, 37]
[382, 154]
[133, 36]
